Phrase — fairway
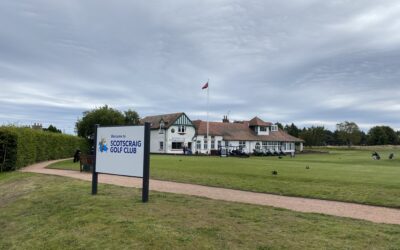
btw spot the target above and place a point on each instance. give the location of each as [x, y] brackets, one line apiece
[343, 175]
[48, 212]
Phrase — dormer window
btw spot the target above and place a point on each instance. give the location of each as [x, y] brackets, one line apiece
[162, 125]
[263, 129]
[274, 128]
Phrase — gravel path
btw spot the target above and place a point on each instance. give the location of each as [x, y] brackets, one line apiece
[342, 209]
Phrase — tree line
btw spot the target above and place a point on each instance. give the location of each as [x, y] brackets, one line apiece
[346, 133]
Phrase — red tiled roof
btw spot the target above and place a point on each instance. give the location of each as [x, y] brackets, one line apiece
[258, 122]
[240, 132]
[155, 120]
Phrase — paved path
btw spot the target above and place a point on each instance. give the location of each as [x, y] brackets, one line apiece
[342, 209]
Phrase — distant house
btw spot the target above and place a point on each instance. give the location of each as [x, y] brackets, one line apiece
[170, 133]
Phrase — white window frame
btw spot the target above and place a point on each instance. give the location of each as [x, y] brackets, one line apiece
[274, 128]
[212, 142]
[176, 142]
[162, 125]
[182, 129]
[161, 144]
[264, 145]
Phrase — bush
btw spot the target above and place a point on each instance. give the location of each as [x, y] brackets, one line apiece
[20, 147]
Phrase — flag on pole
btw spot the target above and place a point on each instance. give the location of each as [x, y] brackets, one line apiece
[205, 86]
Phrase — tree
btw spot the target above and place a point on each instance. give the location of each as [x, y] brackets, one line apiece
[280, 126]
[104, 116]
[52, 129]
[382, 135]
[349, 132]
[313, 136]
[329, 137]
[364, 138]
[398, 136]
[131, 117]
[292, 130]
[391, 134]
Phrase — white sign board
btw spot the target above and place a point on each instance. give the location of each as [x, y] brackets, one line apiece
[120, 150]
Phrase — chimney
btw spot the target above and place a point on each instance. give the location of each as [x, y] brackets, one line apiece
[225, 119]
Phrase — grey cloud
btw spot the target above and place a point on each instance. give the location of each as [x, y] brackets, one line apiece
[305, 62]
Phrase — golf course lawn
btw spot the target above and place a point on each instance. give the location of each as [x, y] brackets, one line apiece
[343, 175]
[49, 212]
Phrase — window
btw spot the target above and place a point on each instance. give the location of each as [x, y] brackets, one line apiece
[172, 130]
[226, 143]
[161, 127]
[198, 145]
[161, 145]
[212, 142]
[177, 145]
[274, 128]
[205, 144]
[182, 129]
[219, 144]
[263, 129]
[242, 144]
[258, 146]
[265, 145]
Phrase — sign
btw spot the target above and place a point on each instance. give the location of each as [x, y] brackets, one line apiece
[120, 150]
[123, 150]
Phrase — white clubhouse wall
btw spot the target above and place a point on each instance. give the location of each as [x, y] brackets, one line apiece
[167, 137]
[286, 147]
[176, 137]
[155, 138]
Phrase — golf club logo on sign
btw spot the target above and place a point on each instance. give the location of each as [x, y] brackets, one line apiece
[119, 146]
[103, 145]
[120, 150]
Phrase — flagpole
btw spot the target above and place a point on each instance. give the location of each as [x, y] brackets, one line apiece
[208, 101]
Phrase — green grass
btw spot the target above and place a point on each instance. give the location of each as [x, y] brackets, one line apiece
[344, 175]
[49, 212]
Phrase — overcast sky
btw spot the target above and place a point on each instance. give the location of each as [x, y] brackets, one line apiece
[305, 61]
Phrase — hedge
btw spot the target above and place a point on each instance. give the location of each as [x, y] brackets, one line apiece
[20, 147]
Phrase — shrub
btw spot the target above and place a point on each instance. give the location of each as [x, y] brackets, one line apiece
[20, 147]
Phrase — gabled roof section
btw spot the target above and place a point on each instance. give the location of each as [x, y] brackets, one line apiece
[169, 119]
[183, 120]
[240, 132]
[258, 122]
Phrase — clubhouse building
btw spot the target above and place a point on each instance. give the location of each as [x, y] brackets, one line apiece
[171, 133]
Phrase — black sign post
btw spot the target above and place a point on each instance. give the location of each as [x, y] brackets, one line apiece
[94, 173]
[146, 163]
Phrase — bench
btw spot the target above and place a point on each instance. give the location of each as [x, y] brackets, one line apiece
[86, 163]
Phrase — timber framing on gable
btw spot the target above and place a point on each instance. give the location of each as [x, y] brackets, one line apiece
[183, 120]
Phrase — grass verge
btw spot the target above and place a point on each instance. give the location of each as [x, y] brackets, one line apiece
[49, 212]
